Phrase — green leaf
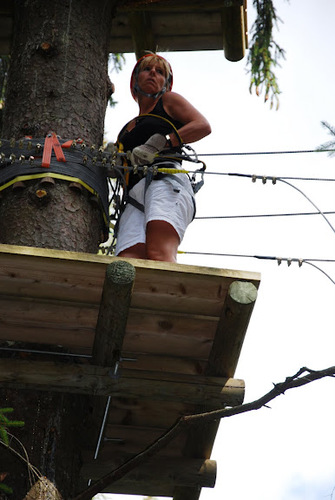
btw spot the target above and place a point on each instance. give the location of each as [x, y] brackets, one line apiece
[5, 488]
[4, 436]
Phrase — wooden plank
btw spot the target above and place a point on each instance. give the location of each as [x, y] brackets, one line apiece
[135, 412]
[121, 438]
[43, 256]
[73, 327]
[133, 384]
[163, 363]
[156, 476]
[47, 323]
[155, 290]
[171, 334]
[177, 6]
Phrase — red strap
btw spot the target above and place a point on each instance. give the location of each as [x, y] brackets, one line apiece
[51, 141]
[47, 151]
[58, 149]
[67, 144]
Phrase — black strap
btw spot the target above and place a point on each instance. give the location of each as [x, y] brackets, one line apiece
[135, 203]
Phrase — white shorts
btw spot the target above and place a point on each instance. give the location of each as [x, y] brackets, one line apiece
[167, 199]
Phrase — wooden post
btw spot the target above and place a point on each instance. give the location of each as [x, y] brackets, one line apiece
[109, 335]
[222, 362]
[231, 329]
[113, 313]
[233, 21]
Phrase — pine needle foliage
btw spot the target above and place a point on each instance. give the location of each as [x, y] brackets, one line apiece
[330, 145]
[265, 53]
[5, 423]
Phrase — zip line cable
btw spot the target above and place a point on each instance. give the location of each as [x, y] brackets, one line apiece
[266, 178]
[260, 257]
[279, 260]
[321, 270]
[307, 198]
[250, 153]
[251, 216]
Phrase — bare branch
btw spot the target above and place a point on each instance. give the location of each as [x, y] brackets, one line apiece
[302, 377]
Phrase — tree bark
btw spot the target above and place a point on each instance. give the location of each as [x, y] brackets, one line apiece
[58, 81]
[58, 76]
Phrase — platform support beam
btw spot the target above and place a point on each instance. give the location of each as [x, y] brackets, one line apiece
[222, 362]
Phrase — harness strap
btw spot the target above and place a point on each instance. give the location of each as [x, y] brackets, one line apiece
[140, 206]
[50, 142]
[135, 203]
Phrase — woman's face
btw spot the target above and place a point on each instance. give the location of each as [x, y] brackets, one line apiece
[151, 78]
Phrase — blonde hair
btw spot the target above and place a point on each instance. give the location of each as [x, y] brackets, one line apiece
[150, 60]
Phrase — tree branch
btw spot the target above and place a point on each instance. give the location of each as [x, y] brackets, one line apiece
[302, 377]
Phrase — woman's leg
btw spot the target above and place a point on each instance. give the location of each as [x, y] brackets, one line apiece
[135, 252]
[162, 241]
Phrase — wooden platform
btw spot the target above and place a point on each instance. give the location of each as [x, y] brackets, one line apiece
[184, 331]
[171, 25]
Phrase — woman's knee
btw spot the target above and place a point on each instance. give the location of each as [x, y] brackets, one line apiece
[137, 251]
[162, 241]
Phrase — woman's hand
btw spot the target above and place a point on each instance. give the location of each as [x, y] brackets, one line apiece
[146, 153]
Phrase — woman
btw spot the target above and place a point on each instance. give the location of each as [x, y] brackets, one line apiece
[157, 213]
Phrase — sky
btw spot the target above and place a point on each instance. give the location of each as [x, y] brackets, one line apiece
[286, 452]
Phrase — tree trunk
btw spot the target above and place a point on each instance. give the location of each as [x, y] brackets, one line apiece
[51, 438]
[58, 82]
[58, 74]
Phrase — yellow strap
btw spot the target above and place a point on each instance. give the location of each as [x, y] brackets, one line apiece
[125, 164]
[56, 176]
[173, 171]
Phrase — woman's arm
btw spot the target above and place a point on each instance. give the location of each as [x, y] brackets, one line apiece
[195, 125]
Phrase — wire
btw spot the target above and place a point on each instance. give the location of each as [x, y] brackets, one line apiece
[321, 270]
[307, 198]
[261, 257]
[279, 260]
[265, 178]
[253, 177]
[303, 151]
[204, 217]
